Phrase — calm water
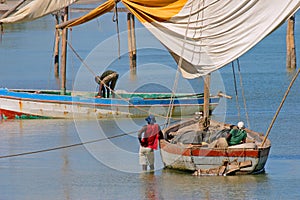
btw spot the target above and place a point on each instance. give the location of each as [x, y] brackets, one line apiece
[109, 169]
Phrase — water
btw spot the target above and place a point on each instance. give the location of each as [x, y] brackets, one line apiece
[109, 169]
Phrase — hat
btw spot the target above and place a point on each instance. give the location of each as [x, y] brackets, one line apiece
[240, 125]
[150, 119]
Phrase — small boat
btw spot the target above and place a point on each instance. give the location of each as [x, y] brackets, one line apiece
[21, 104]
[186, 147]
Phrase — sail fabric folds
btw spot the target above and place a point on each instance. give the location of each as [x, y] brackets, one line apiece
[205, 35]
[37, 9]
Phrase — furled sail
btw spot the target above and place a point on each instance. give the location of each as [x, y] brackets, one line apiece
[205, 35]
[36, 9]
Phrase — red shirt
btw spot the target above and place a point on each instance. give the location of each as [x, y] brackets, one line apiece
[152, 135]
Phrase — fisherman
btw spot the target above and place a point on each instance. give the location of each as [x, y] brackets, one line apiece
[148, 137]
[237, 135]
[107, 82]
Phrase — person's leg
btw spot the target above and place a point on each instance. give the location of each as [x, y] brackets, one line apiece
[113, 84]
[143, 158]
[150, 158]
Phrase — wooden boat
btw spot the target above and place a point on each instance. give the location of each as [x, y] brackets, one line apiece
[203, 36]
[16, 104]
[64, 104]
[185, 147]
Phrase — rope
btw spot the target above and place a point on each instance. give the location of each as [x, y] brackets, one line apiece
[92, 72]
[236, 92]
[69, 146]
[243, 94]
[64, 147]
[116, 19]
[280, 106]
[175, 85]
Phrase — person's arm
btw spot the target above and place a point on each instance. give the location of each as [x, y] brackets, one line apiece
[140, 134]
[244, 139]
[160, 134]
[99, 95]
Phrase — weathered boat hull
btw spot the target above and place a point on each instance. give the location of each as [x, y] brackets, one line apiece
[18, 104]
[194, 157]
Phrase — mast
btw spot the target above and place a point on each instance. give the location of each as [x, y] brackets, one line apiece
[205, 122]
[64, 54]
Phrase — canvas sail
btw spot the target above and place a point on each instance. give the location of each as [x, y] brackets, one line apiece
[206, 34]
[37, 9]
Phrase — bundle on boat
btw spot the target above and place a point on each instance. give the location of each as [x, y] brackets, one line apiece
[187, 146]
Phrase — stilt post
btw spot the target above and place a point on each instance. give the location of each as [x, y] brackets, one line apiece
[290, 44]
[64, 54]
[56, 49]
[131, 41]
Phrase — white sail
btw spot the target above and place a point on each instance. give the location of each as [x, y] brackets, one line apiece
[206, 34]
[36, 9]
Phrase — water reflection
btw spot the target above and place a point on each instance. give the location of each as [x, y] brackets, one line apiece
[150, 187]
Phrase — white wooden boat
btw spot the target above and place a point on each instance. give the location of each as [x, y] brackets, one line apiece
[187, 148]
[21, 104]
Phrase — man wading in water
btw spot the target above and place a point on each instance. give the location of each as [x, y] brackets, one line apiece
[148, 137]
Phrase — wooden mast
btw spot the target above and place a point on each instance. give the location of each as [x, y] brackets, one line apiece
[206, 101]
[131, 42]
[290, 45]
[64, 54]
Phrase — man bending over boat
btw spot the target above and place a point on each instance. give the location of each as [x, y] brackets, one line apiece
[148, 137]
[107, 82]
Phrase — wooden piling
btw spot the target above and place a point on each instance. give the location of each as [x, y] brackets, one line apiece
[56, 49]
[64, 53]
[290, 44]
[131, 42]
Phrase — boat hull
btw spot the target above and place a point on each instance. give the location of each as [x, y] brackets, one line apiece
[193, 157]
[16, 104]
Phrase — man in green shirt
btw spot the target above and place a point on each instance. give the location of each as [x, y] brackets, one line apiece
[237, 135]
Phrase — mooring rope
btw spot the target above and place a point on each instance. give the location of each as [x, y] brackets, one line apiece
[280, 106]
[64, 147]
[70, 145]
[119, 96]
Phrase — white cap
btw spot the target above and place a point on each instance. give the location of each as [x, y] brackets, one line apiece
[240, 125]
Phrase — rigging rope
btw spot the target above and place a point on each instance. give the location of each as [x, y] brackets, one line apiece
[243, 94]
[280, 106]
[175, 85]
[236, 92]
[119, 96]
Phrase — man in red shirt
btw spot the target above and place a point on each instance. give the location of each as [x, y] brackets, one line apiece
[149, 136]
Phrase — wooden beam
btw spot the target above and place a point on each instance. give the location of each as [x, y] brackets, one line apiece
[290, 44]
[131, 42]
[64, 54]
[56, 49]
[206, 101]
